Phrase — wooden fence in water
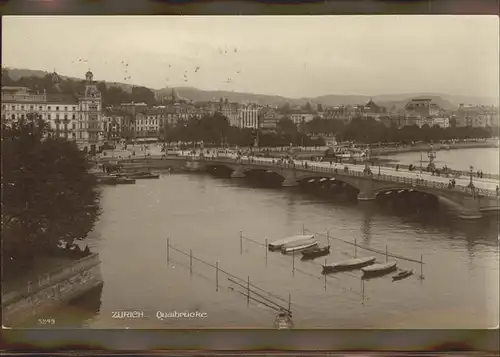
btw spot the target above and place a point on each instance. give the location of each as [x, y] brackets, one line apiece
[250, 290]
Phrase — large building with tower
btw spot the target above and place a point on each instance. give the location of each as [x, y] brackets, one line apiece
[71, 116]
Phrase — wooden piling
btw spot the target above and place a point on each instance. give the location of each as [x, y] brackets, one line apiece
[241, 242]
[386, 254]
[289, 301]
[248, 290]
[363, 289]
[421, 265]
[266, 248]
[293, 264]
[303, 229]
[327, 237]
[355, 248]
[217, 276]
[190, 261]
[325, 272]
[168, 250]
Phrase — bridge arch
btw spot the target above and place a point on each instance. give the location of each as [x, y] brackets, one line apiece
[264, 169]
[442, 199]
[342, 178]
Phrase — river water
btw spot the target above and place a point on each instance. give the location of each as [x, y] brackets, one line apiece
[483, 159]
[205, 214]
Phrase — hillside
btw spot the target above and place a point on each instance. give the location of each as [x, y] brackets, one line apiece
[388, 100]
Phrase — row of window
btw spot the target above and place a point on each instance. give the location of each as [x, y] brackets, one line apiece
[32, 107]
[147, 122]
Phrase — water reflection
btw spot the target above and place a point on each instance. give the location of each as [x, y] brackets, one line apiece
[366, 227]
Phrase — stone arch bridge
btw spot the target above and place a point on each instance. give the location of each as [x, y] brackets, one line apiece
[469, 204]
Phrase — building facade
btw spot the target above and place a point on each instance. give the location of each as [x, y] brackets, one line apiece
[249, 116]
[422, 107]
[269, 119]
[230, 111]
[74, 117]
[477, 116]
[301, 117]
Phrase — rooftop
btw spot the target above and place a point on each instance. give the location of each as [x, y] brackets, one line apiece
[62, 98]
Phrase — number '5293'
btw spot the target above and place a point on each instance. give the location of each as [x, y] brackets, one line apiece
[44, 321]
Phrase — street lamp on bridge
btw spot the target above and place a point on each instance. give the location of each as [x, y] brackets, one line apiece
[471, 184]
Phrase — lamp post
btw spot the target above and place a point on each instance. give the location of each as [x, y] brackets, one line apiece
[471, 168]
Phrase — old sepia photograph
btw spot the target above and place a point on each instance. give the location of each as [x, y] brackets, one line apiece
[250, 172]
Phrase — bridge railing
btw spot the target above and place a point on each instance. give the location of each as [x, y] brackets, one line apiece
[383, 177]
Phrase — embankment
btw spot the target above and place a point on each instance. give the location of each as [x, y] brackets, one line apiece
[37, 299]
[425, 147]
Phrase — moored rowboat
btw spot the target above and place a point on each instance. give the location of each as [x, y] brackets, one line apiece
[315, 252]
[379, 269]
[276, 245]
[402, 275]
[350, 264]
[298, 246]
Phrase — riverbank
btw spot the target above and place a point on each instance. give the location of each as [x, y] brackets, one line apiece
[438, 146]
[39, 292]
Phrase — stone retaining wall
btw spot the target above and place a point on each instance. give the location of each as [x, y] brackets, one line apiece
[57, 288]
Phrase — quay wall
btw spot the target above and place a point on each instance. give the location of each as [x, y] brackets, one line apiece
[425, 147]
[51, 291]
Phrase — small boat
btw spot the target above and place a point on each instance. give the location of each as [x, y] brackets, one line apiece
[276, 245]
[402, 275]
[283, 320]
[315, 252]
[379, 269]
[144, 175]
[124, 181]
[350, 264]
[298, 246]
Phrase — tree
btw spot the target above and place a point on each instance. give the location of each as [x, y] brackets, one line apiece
[48, 193]
[6, 80]
[285, 108]
[143, 94]
[308, 108]
[320, 108]
[286, 126]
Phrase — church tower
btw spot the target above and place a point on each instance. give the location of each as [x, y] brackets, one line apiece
[90, 130]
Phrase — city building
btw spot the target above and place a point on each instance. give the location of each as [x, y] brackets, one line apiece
[477, 116]
[269, 118]
[372, 110]
[422, 107]
[301, 117]
[147, 124]
[113, 124]
[249, 116]
[75, 117]
[342, 113]
[230, 111]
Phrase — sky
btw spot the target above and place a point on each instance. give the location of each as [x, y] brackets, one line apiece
[292, 56]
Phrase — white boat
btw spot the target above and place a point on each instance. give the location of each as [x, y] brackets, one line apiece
[298, 246]
[379, 269]
[279, 243]
[349, 264]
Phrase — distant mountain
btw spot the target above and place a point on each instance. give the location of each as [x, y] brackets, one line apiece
[387, 100]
